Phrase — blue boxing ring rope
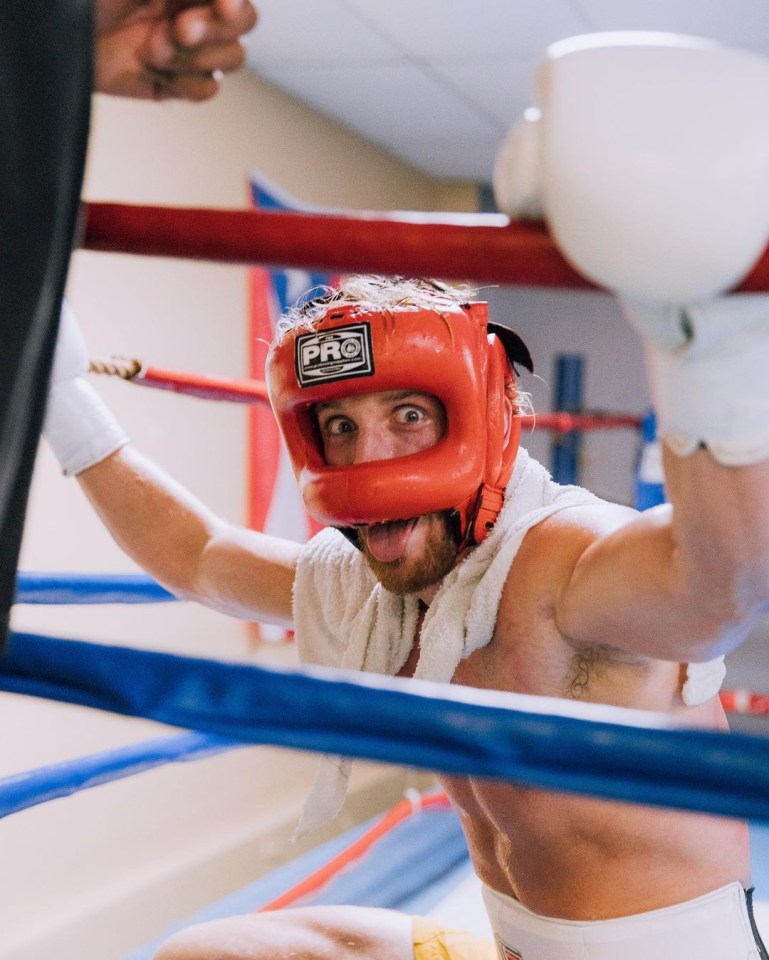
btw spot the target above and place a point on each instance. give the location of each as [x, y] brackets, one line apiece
[56, 780]
[88, 588]
[597, 750]
[586, 748]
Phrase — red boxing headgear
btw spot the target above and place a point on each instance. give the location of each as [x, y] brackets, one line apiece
[455, 356]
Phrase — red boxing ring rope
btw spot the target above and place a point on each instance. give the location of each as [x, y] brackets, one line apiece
[565, 422]
[743, 701]
[325, 874]
[479, 247]
[205, 387]
[470, 246]
[255, 391]
[189, 384]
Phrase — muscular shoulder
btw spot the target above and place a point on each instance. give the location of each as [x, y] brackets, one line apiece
[545, 566]
[552, 549]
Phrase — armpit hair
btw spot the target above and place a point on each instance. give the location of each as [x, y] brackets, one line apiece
[592, 663]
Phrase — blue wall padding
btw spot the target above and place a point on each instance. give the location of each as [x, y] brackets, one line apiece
[82, 588]
[759, 856]
[53, 781]
[430, 726]
[649, 479]
[565, 448]
[407, 861]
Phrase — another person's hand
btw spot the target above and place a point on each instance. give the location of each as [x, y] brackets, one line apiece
[168, 49]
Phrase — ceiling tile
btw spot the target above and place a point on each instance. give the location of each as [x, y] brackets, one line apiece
[451, 159]
[741, 23]
[439, 83]
[501, 86]
[436, 28]
[383, 102]
[291, 31]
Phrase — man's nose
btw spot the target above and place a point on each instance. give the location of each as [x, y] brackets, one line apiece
[374, 442]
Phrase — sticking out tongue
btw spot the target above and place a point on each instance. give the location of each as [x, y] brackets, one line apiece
[387, 541]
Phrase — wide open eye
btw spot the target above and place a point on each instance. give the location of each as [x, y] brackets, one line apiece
[337, 426]
[409, 413]
[420, 412]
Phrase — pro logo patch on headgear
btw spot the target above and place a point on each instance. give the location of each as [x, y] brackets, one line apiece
[342, 353]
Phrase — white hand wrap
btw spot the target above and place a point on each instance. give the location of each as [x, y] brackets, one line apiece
[79, 427]
[703, 681]
[707, 368]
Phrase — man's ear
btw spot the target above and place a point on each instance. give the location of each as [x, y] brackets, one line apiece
[509, 415]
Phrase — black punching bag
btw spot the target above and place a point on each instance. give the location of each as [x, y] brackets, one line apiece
[46, 50]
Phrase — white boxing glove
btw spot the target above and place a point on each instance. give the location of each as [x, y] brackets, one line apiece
[517, 177]
[79, 427]
[653, 159]
[708, 366]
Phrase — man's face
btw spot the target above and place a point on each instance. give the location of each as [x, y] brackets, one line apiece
[406, 555]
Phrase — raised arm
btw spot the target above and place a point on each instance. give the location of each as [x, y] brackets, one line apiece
[158, 523]
[652, 164]
[685, 582]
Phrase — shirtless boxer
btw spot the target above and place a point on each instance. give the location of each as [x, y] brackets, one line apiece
[449, 554]
[395, 403]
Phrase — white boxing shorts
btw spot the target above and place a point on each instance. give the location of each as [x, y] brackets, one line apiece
[716, 926]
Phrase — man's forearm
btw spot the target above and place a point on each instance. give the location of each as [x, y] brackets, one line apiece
[720, 520]
[152, 518]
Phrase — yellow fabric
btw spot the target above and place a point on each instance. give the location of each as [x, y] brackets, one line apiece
[433, 941]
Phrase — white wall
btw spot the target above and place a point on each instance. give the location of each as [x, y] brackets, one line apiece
[97, 874]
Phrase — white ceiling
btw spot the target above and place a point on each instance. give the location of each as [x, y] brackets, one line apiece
[439, 82]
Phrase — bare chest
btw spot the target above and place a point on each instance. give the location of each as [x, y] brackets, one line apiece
[547, 848]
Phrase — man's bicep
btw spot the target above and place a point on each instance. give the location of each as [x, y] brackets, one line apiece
[625, 591]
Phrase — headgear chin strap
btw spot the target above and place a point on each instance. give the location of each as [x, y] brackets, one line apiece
[453, 355]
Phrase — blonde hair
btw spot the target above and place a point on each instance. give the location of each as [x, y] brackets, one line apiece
[375, 294]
